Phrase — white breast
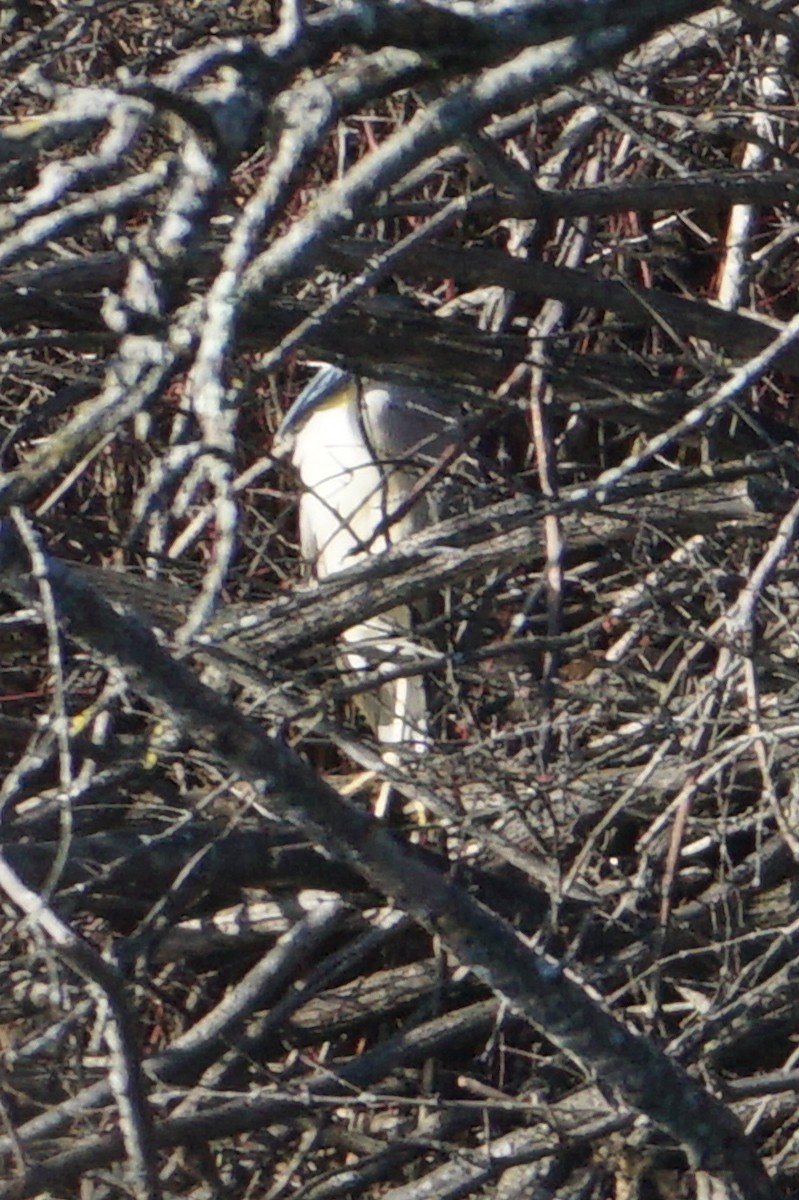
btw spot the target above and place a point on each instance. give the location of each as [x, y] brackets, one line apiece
[344, 494]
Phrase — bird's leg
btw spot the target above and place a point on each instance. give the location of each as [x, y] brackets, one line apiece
[357, 782]
[386, 793]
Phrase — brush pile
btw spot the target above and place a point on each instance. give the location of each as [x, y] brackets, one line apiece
[216, 979]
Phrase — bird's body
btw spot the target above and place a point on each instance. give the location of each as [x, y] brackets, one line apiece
[361, 449]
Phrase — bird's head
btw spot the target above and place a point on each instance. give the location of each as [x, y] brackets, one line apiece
[329, 387]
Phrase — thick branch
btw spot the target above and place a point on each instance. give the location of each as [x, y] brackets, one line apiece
[534, 985]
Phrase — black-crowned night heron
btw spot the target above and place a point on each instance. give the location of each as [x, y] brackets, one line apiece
[361, 448]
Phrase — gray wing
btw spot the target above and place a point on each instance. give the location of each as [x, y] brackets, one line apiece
[407, 427]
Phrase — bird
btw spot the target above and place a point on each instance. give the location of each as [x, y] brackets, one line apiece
[361, 448]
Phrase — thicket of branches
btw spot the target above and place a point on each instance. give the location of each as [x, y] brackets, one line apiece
[566, 966]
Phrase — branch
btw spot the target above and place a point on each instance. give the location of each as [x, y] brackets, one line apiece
[533, 984]
[125, 1076]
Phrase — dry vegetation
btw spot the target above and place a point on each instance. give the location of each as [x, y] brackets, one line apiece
[216, 980]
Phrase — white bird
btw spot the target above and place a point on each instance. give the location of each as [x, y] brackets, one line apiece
[361, 448]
